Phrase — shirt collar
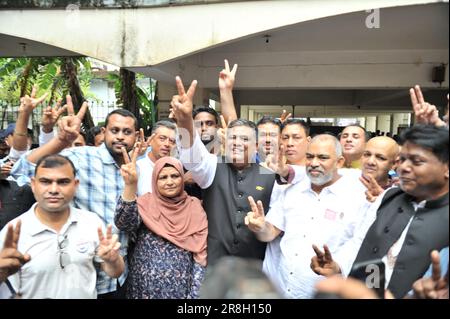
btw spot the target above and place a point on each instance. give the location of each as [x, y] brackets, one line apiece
[336, 188]
[36, 226]
[105, 155]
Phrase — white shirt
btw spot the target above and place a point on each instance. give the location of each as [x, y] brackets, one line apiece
[308, 218]
[273, 251]
[145, 171]
[73, 248]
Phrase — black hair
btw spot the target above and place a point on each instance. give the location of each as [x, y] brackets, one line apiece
[164, 123]
[302, 123]
[269, 119]
[124, 113]
[51, 161]
[206, 109]
[243, 122]
[429, 137]
[367, 135]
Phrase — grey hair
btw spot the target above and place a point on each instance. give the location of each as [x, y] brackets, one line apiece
[328, 137]
[165, 123]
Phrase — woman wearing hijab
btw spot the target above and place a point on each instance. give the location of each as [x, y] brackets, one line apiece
[170, 228]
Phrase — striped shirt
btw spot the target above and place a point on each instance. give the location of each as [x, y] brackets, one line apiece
[100, 187]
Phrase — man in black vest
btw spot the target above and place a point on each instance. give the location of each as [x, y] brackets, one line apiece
[227, 182]
[411, 220]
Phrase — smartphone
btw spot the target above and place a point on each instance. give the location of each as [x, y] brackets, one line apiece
[372, 274]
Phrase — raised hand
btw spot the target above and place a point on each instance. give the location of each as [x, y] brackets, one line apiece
[277, 162]
[69, 126]
[6, 169]
[222, 134]
[50, 116]
[323, 263]
[128, 168]
[109, 246]
[29, 102]
[373, 188]
[227, 77]
[255, 219]
[435, 287]
[11, 260]
[285, 116]
[424, 112]
[143, 143]
[182, 104]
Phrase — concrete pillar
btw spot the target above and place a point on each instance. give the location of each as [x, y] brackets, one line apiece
[384, 123]
[371, 123]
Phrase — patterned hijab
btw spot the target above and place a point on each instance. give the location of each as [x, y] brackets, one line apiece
[180, 219]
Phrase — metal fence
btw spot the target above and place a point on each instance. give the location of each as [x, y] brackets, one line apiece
[9, 112]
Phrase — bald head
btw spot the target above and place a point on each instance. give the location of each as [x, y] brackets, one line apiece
[379, 157]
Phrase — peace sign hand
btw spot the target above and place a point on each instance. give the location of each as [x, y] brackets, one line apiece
[255, 219]
[285, 116]
[227, 77]
[373, 188]
[69, 126]
[424, 112]
[128, 169]
[277, 163]
[182, 104]
[29, 103]
[11, 260]
[323, 263]
[50, 116]
[109, 247]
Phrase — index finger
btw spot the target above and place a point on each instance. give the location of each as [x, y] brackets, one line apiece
[33, 92]
[435, 265]
[100, 234]
[419, 94]
[82, 110]
[141, 135]
[180, 86]
[227, 66]
[235, 67]
[109, 232]
[412, 94]
[42, 98]
[150, 139]
[327, 253]
[135, 153]
[126, 158]
[8, 242]
[69, 104]
[253, 205]
[318, 252]
[260, 208]
[223, 122]
[16, 233]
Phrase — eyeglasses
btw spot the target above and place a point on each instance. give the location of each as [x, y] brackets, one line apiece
[64, 258]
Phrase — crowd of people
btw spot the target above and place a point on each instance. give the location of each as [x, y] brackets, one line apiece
[116, 214]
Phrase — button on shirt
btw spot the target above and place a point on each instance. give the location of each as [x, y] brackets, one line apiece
[61, 265]
[100, 187]
[309, 218]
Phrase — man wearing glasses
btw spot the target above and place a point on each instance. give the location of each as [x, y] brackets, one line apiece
[60, 246]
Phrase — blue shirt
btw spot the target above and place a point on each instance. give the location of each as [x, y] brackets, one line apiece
[100, 187]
